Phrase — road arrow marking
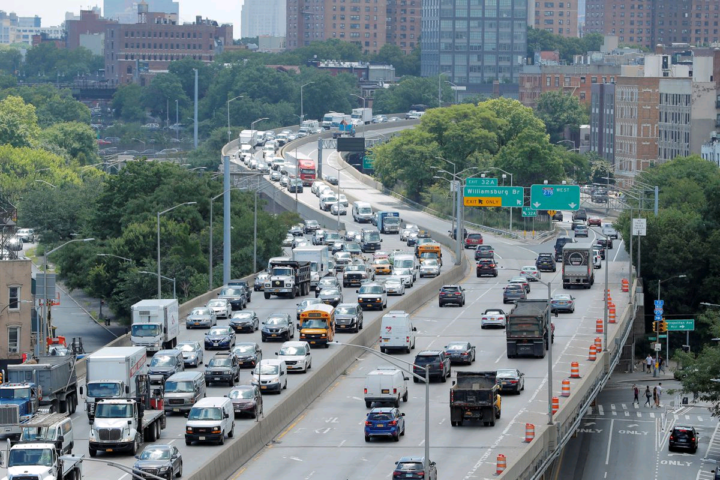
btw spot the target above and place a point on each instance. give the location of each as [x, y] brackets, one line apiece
[587, 424]
[536, 204]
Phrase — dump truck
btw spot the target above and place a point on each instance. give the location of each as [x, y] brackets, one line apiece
[475, 396]
[528, 328]
[124, 424]
[289, 278]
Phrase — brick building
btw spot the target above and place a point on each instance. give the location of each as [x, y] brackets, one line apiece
[560, 18]
[137, 52]
[576, 80]
[81, 31]
[369, 25]
[602, 121]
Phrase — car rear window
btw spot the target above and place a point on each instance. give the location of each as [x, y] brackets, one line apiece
[682, 433]
[475, 236]
[425, 359]
[409, 467]
[380, 416]
[450, 289]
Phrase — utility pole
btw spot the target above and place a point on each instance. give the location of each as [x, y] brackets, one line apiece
[195, 133]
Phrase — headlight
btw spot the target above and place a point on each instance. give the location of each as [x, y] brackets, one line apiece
[164, 469]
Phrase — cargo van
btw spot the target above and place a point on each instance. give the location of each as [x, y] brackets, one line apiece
[210, 420]
[50, 427]
[609, 231]
[362, 212]
[407, 261]
[397, 332]
[385, 385]
[183, 390]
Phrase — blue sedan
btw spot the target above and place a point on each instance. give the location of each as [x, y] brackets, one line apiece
[562, 302]
[221, 338]
[385, 422]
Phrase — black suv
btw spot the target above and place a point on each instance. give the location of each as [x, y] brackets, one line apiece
[484, 251]
[486, 266]
[684, 437]
[559, 244]
[546, 262]
[605, 242]
[437, 360]
[580, 214]
[246, 285]
[223, 367]
[452, 294]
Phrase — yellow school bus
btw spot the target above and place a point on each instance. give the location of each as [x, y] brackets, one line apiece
[430, 248]
[317, 324]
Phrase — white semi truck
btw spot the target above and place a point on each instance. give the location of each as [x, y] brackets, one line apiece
[39, 461]
[111, 373]
[155, 324]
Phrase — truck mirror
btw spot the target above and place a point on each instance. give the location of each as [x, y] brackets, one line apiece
[276, 353]
[81, 391]
[226, 415]
[61, 439]
[414, 329]
[129, 422]
[406, 378]
[381, 240]
[127, 389]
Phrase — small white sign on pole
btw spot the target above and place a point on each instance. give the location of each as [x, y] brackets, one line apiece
[658, 347]
[639, 226]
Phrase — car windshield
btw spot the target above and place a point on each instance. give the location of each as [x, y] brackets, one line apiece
[342, 256]
[425, 359]
[231, 292]
[244, 393]
[457, 346]
[219, 362]
[373, 289]
[31, 457]
[244, 349]
[275, 321]
[315, 323]
[108, 410]
[562, 297]
[327, 282]
[218, 331]
[346, 310]
[145, 330]
[353, 268]
[172, 386]
[201, 311]
[393, 280]
[503, 372]
[217, 303]
[330, 291]
[372, 236]
[409, 467]
[205, 414]
[162, 361]
[282, 272]
[243, 316]
[292, 351]
[382, 261]
[103, 390]
[266, 370]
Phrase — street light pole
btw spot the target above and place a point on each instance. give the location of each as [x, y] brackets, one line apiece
[158, 242]
[302, 114]
[45, 323]
[177, 120]
[228, 114]
[667, 337]
[162, 277]
[426, 379]
[195, 132]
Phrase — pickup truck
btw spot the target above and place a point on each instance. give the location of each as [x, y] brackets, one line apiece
[494, 317]
[40, 461]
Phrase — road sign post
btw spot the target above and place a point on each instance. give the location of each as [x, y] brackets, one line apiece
[508, 196]
[555, 197]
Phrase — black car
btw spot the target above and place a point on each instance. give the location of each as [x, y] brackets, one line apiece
[438, 362]
[460, 352]
[311, 226]
[246, 285]
[246, 400]
[223, 367]
[546, 262]
[413, 468]
[486, 266]
[295, 186]
[558, 216]
[580, 214]
[246, 321]
[222, 338]
[161, 460]
[684, 437]
[452, 294]
[605, 242]
[278, 326]
[559, 244]
[510, 380]
[248, 354]
[235, 295]
[484, 251]
[454, 230]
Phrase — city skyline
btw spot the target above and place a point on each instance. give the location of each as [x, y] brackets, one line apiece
[52, 12]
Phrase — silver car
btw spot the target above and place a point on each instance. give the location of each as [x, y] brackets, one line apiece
[306, 303]
[192, 353]
[338, 209]
[406, 275]
[405, 232]
[26, 235]
[395, 286]
[221, 307]
[429, 268]
[331, 295]
[201, 317]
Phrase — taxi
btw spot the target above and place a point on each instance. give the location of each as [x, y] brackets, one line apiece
[382, 266]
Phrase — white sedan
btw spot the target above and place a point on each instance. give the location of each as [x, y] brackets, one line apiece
[394, 286]
[221, 307]
[531, 272]
[429, 268]
[406, 275]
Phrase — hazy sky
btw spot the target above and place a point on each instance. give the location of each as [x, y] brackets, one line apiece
[52, 12]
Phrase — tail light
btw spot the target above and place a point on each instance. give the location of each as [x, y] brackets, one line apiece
[368, 424]
[513, 381]
[465, 354]
[393, 423]
[672, 437]
[365, 391]
[394, 390]
[458, 294]
[452, 396]
[407, 339]
[421, 474]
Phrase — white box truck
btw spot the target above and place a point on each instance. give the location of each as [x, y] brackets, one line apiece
[332, 119]
[112, 373]
[249, 137]
[155, 324]
[319, 259]
[362, 116]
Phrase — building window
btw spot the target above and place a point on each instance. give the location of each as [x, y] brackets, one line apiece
[13, 339]
[13, 298]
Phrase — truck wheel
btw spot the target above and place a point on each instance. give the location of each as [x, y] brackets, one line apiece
[222, 439]
[460, 422]
[135, 447]
[368, 404]
[415, 380]
[93, 452]
[454, 424]
[293, 294]
[443, 378]
[188, 442]
[267, 296]
[405, 397]
[396, 404]
[150, 433]
[497, 415]
[492, 422]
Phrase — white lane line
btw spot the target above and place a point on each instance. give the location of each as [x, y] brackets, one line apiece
[123, 476]
[342, 443]
[171, 441]
[421, 443]
[600, 410]
[712, 439]
[607, 457]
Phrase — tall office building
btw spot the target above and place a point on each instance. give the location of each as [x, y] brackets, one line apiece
[475, 42]
[263, 17]
[560, 18]
[125, 11]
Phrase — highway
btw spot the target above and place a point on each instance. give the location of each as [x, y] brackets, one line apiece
[335, 420]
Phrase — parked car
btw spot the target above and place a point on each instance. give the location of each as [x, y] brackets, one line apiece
[26, 235]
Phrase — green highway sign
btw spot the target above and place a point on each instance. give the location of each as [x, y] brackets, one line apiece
[652, 339]
[677, 325]
[529, 212]
[555, 197]
[481, 182]
[367, 162]
[510, 196]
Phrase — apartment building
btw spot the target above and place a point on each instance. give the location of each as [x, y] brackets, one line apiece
[560, 18]
[263, 18]
[602, 121]
[576, 80]
[16, 308]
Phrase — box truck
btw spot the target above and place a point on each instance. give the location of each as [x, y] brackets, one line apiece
[155, 324]
[319, 259]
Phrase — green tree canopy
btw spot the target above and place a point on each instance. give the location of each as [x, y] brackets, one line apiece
[541, 40]
[77, 139]
[18, 123]
[161, 95]
[411, 91]
[127, 103]
[558, 111]
[51, 105]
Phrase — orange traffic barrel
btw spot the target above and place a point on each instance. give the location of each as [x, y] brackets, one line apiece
[555, 405]
[593, 351]
[501, 464]
[565, 388]
[598, 344]
[599, 326]
[574, 370]
[529, 432]
[611, 313]
[625, 285]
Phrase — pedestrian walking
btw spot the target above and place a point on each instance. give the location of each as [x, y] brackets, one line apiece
[636, 392]
[649, 362]
[647, 396]
[659, 395]
[661, 365]
[655, 397]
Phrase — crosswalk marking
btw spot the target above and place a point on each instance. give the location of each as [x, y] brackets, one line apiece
[652, 415]
[627, 414]
[600, 410]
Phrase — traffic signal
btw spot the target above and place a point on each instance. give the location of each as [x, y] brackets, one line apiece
[656, 326]
[663, 326]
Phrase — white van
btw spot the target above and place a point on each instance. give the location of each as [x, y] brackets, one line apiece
[271, 375]
[210, 420]
[362, 212]
[50, 427]
[386, 385]
[608, 230]
[407, 261]
[245, 150]
[397, 332]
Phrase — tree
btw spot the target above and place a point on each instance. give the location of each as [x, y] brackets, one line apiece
[411, 91]
[183, 70]
[541, 40]
[18, 123]
[127, 103]
[531, 159]
[404, 64]
[516, 118]
[10, 60]
[51, 105]
[77, 139]
[162, 93]
[558, 111]
[700, 373]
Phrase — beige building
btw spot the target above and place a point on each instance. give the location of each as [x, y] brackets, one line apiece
[16, 305]
[560, 18]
